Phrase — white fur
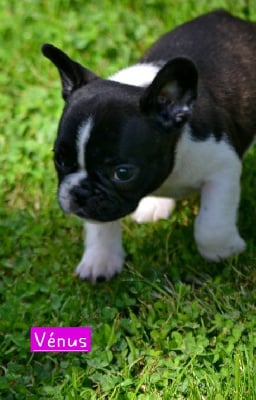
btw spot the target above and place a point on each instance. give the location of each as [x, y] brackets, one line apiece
[152, 209]
[82, 139]
[137, 75]
[214, 168]
[72, 180]
[104, 254]
[68, 183]
[216, 233]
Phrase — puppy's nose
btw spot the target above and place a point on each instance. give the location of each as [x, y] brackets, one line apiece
[85, 184]
[82, 191]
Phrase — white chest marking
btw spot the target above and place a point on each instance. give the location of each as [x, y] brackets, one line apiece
[195, 163]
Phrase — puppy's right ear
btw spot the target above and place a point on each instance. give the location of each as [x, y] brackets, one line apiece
[170, 98]
[73, 75]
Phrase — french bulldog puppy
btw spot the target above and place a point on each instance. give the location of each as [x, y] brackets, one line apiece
[179, 120]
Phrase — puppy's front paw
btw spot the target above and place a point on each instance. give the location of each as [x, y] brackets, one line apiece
[151, 209]
[99, 264]
[218, 248]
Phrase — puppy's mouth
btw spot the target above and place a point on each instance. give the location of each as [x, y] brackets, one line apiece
[95, 205]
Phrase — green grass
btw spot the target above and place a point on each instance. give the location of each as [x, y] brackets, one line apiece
[171, 326]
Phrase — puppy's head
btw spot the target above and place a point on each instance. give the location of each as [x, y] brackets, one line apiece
[116, 142]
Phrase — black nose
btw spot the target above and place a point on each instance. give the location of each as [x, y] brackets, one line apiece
[80, 196]
[82, 192]
[85, 184]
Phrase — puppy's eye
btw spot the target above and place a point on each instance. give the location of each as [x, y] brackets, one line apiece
[124, 173]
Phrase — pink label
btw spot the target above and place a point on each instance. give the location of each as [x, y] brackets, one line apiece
[60, 339]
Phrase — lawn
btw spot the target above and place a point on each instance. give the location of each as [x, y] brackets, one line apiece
[171, 326]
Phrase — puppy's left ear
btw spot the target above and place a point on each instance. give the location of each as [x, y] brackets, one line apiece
[73, 75]
[170, 97]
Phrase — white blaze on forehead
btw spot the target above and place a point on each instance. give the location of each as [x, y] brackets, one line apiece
[137, 75]
[82, 139]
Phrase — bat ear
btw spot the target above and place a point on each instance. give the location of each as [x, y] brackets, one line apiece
[72, 74]
[171, 96]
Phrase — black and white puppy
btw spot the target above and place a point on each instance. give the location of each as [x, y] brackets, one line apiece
[180, 119]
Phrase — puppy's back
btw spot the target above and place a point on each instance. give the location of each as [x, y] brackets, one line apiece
[223, 48]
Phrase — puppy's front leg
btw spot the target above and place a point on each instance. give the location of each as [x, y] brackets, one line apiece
[152, 209]
[216, 233]
[104, 254]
